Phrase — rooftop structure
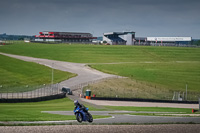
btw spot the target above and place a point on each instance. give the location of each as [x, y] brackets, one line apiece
[119, 38]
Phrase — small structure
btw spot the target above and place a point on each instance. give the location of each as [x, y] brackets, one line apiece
[88, 94]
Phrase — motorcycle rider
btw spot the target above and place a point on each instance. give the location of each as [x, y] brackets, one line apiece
[77, 104]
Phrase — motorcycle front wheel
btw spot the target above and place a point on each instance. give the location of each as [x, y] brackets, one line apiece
[79, 117]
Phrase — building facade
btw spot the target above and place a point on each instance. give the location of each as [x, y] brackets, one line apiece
[128, 38]
[119, 38]
[163, 40]
[71, 37]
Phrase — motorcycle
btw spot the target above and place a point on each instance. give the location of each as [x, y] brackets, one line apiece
[82, 115]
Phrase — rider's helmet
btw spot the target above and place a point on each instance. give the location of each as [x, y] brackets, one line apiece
[76, 102]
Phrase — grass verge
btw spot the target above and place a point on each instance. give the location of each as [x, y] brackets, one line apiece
[32, 111]
[20, 76]
[151, 109]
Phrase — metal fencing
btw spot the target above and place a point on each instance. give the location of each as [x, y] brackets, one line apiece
[165, 44]
[41, 91]
[145, 93]
[173, 45]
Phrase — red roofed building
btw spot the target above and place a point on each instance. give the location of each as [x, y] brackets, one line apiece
[65, 37]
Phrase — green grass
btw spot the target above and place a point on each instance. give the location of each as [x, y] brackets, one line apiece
[163, 114]
[15, 75]
[155, 111]
[32, 111]
[103, 54]
[170, 75]
[151, 109]
[129, 88]
[169, 67]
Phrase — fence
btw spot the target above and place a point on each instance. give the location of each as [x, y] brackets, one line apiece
[117, 93]
[165, 44]
[173, 45]
[42, 91]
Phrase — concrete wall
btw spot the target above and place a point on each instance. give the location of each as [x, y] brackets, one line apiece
[129, 39]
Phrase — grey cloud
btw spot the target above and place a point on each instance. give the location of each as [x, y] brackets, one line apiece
[146, 17]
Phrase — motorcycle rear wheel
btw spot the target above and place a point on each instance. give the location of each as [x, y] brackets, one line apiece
[90, 118]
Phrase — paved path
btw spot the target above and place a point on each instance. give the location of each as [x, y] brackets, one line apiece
[175, 128]
[85, 73]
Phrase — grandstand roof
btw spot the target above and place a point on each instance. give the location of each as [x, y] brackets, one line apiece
[119, 33]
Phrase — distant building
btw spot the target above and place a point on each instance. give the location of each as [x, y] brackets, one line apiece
[176, 40]
[162, 40]
[119, 38]
[128, 38]
[4, 36]
[65, 37]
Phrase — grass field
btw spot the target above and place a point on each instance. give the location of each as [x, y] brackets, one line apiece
[103, 54]
[152, 109]
[32, 111]
[156, 111]
[169, 67]
[15, 75]
[171, 75]
[129, 88]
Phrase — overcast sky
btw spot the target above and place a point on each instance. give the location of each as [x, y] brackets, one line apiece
[145, 17]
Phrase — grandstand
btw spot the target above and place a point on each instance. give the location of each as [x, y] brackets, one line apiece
[119, 38]
[71, 37]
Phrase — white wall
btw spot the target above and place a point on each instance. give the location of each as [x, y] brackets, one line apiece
[169, 39]
[107, 40]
